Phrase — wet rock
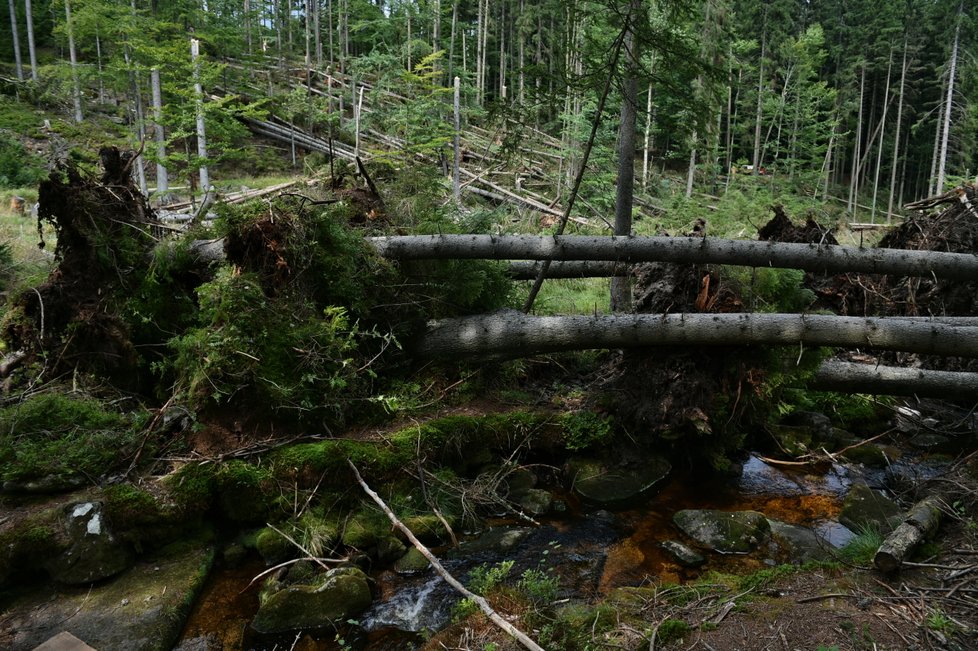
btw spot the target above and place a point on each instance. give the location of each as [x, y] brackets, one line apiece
[869, 454]
[865, 508]
[684, 555]
[536, 501]
[811, 419]
[931, 442]
[203, 643]
[340, 594]
[519, 482]
[48, 484]
[428, 528]
[798, 544]
[273, 547]
[608, 483]
[389, 549]
[142, 609]
[495, 540]
[728, 532]
[94, 553]
[412, 562]
[792, 439]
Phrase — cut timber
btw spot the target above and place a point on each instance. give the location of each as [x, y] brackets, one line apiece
[921, 521]
[514, 334]
[495, 617]
[697, 250]
[894, 381]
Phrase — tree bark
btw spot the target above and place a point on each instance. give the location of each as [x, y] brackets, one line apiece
[896, 140]
[921, 521]
[15, 36]
[948, 103]
[621, 292]
[894, 381]
[73, 58]
[162, 181]
[514, 334]
[31, 50]
[698, 250]
[205, 181]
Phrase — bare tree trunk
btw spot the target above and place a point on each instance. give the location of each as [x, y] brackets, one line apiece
[317, 32]
[894, 381]
[15, 35]
[932, 179]
[621, 293]
[31, 50]
[697, 250]
[760, 106]
[648, 140]
[457, 158]
[948, 103]
[879, 156]
[73, 57]
[857, 150]
[205, 181]
[896, 141]
[451, 41]
[691, 168]
[514, 334]
[162, 181]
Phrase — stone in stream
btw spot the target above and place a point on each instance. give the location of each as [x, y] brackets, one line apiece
[684, 555]
[797, 544]
[412, 562]
[727, 532]
[865, 508]
[536, 501]
[607, 483]
[338, 595]
[93, 553]
[141, 609]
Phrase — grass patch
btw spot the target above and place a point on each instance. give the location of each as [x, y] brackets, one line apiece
[570, 296]
[861, 549]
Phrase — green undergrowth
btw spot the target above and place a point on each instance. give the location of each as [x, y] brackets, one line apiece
[53, 435]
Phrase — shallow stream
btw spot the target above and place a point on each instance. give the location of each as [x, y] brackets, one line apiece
[591, 550]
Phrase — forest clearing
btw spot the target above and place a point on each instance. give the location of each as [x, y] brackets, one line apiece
[608, 324]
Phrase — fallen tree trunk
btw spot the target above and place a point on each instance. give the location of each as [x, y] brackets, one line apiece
[514, 334]
[894, 381]
[697, 250]
[921, 521]
[524, 270]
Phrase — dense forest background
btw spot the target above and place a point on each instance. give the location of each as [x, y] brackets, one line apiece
[871, 104]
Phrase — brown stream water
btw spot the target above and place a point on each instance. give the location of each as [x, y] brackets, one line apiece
[592, 551]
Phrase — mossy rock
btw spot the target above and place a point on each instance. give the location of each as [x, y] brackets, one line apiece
[192, 488]
[604, 482]
[412, 562]
[244, 491]
[864, 508]
[340, 594]
[273, 547]
[536, 501]
[428, 528]
[27, 544]
[94, 552]
[364, 530]
[728, 532]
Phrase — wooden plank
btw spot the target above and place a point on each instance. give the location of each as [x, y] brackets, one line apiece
[64, 641]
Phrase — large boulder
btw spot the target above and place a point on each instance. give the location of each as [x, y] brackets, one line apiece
[94, 553]
[603, 482]
[727, 532]
[338, 595]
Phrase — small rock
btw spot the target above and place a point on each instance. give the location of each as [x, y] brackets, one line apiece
[684, 555]
[607, 483]
[536, 501]
[497, 539]
[412, 562]
[798, 544]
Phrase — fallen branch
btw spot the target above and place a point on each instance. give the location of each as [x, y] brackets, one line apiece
[495, 617]
[895, 381]
[922, 520]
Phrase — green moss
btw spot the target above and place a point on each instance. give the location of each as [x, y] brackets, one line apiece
[54, 435]
[273, 546]
[245, 491]
[586, 429]
[365, 529]
[671, 630]
[193, 487]
[26, 546]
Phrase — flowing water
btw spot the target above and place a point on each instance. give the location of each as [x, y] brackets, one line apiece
[591, 550]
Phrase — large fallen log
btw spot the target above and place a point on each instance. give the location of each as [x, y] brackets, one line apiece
[514, 334]
[698, 250]
[921, 521]
[845, 377]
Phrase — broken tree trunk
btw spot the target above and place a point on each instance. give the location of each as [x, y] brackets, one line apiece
[514, 334]
[894, 381]
[495, 617]
[697, 250]
[921, 521]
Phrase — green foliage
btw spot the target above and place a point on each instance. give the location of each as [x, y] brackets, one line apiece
[485, 578]
[766, 289]
[540, 586]
[585, 429]
[863, 547]
[60, 436]
[18, 167]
